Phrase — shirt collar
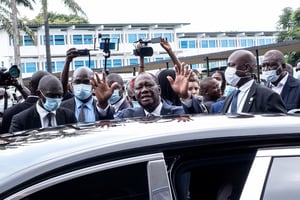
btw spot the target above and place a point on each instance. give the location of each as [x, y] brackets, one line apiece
[157, 110]
[246, 86]
[89, 104]
[43, 112]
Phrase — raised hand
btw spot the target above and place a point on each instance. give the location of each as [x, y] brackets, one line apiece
[180, 84]
[101, 89]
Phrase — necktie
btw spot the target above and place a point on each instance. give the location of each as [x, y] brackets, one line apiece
[234, 102]
[49, 116]
[81, 116]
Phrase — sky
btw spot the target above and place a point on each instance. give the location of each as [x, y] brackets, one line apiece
[203, 15]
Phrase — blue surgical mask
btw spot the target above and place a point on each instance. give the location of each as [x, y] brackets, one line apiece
[297, 75]
[231, 77]
[82, 91]
[115, 97]
[270, 76]
[228, 90]
[135, 104]
[51, 104]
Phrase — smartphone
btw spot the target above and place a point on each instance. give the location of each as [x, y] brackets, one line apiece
[83, 52]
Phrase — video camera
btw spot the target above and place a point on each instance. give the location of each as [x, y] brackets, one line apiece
[142, 48]
[8, 75]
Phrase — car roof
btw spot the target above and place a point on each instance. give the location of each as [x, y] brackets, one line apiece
[51, 148]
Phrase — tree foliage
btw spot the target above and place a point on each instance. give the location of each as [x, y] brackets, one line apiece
[289, 27]
[58, 18]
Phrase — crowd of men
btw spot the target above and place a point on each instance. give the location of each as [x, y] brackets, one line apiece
[91, 97]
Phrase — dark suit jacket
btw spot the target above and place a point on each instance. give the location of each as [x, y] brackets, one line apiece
[290, 93]
[70, 104]
[216, 107]
[139, 112]
[30, 119]
[10, 112]
[260, 99]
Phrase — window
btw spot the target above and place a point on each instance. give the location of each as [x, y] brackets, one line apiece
[77, 39]
[127, 182]
[212, 43]
[133, 61]
[232, 43]
[59, 39]
[132, 38]
[204, 44]
[283, 179]
[29, 67]
[59, 66]
[88, 39]
[27, 41]
[117, 62]
[183, 44]
[78, 63]
[224, 43]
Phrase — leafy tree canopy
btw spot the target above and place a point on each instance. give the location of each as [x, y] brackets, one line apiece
[289, 27]
[57, 18]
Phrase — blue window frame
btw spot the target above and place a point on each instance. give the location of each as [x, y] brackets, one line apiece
[108, 63]
[27, 41]
[77, 39]
[90, 64]
[269, 41]
[78, 63]
[232, 43]
[29, 67]
[117, 62]
[184, 44]
[59, 66]
[261, 42]
[156, 35]
[169, 37]
[159, 59]
[204, 44]
[250, 42]
[192, 44]
[212, 43]
[243, 42]
[88, 39]
[132, 38]
[224, 43]
[59, 39]
[133, 61]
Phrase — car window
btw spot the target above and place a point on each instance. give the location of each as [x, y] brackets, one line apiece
[220, 176]
[127, 182]
[284, 179]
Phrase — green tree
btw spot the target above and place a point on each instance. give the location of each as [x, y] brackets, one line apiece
[11, 24]
[57, 18]
[74, 7]
[289, 27]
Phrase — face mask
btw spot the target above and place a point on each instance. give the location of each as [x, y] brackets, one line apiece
[297, 75]
[51, 104]
[135, 104]
[228, 90]
[270, 76]
[82, 91]
[231, 77]
[115, 97]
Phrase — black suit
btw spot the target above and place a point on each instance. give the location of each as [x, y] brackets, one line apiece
[290, 93]
[260, 99]
[70, 104]
[10, 112]
[30, 119]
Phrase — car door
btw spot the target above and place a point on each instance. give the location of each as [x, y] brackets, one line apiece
[141, 177]
[274, 175]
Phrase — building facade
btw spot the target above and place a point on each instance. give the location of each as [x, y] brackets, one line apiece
[121, 40]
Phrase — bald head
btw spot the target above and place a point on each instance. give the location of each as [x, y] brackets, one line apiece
[274, 56]
[82, 75]
[242, 57]
[35, 79]
[50, 86]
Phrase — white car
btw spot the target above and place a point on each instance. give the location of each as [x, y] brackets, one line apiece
[206, 157]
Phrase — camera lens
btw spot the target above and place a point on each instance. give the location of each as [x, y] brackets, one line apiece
[14, 71]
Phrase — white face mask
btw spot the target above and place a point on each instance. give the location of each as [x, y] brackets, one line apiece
[231, 77]
[270, 76]
[297, 75]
